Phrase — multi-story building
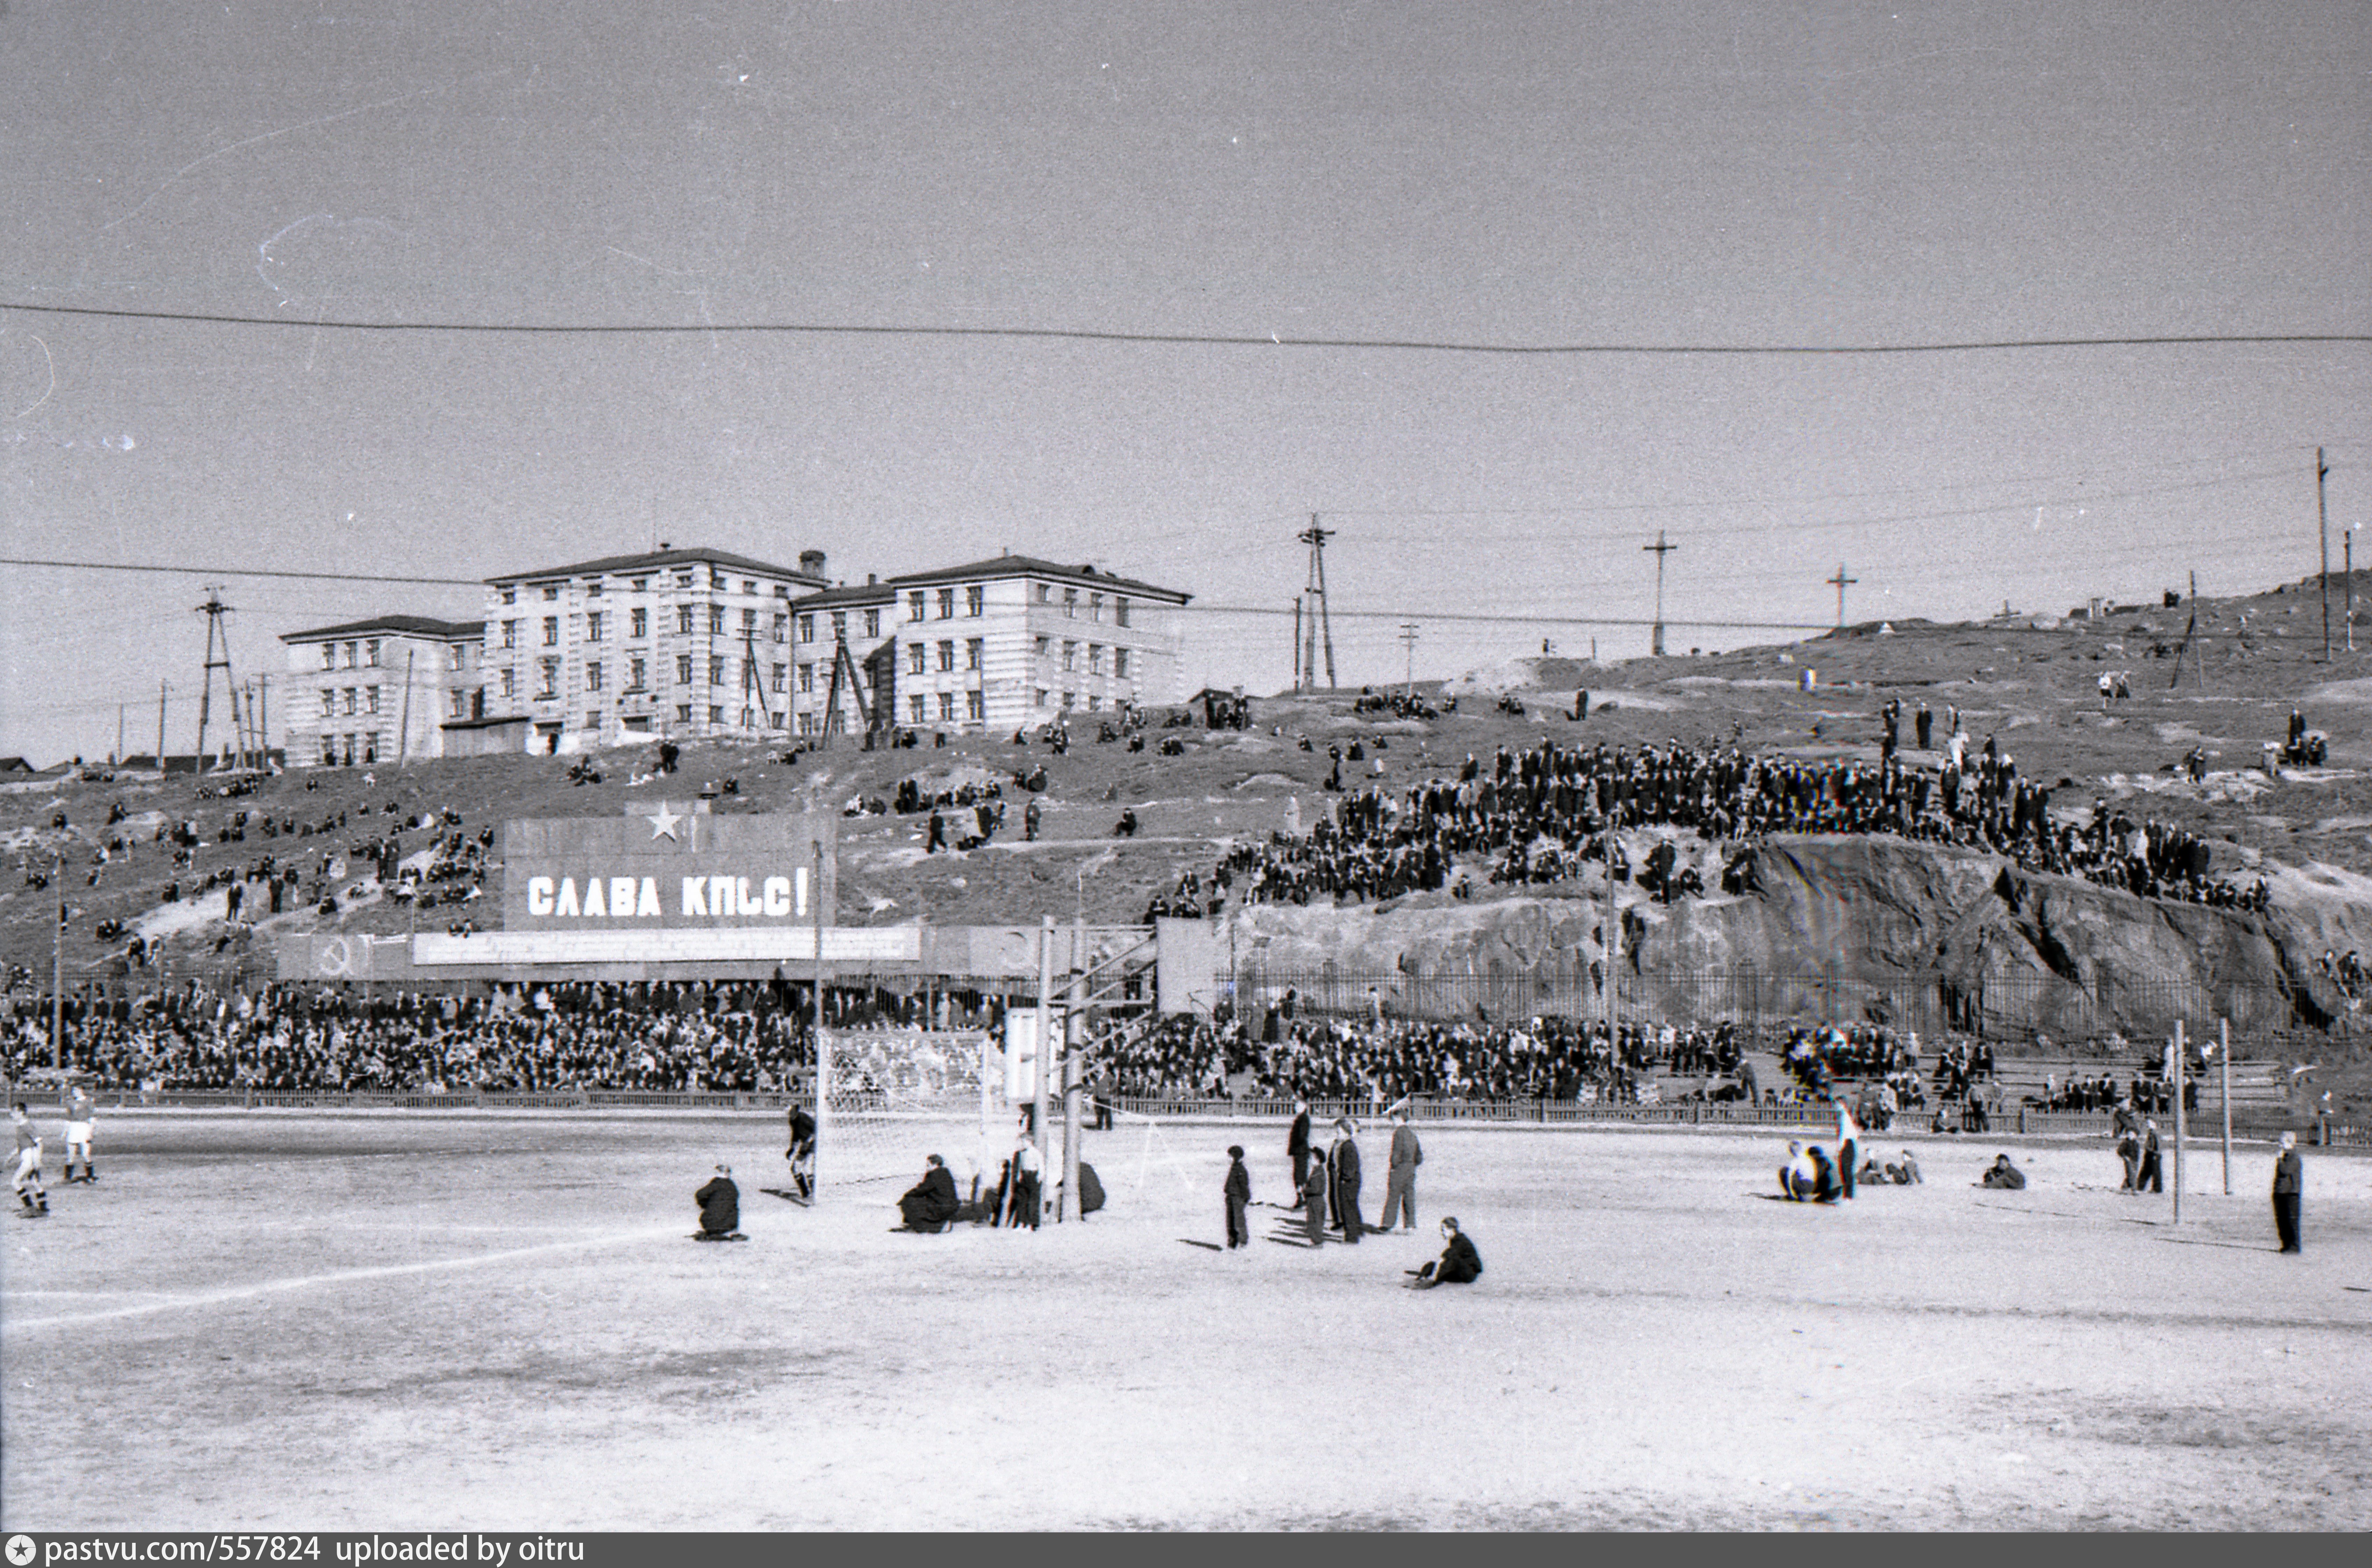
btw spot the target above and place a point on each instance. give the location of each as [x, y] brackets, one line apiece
[378, 691]
[1015, 641]
[669, 642]
[862, 618]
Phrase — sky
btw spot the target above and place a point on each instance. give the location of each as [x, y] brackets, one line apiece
[854, 217]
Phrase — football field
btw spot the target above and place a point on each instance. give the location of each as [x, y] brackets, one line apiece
[406, 1320]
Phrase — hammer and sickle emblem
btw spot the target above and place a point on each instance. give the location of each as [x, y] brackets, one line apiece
[335, 956]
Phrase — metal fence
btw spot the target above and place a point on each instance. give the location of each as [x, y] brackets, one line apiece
[2025, 1009]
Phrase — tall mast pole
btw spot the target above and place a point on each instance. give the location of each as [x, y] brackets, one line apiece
[2323, 533]
[1660, 549]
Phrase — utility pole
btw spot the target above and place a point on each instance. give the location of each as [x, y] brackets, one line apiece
[58, 962]
[214, 609]
[2347, 543]
[262, 712]
[1320, 620]
[1297, 643]
[1408, 637]
[1659, 549]
[403, 736]
[1840, 582]
[2322, 532]
[2181, 1131]
[161, 729]
[117, 761]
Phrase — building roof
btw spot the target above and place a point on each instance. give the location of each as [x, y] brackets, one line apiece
[864, 595]
[654, 559]
[402, 625]
[1030, 567]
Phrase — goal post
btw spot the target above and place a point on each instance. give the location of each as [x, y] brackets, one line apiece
[886, 1099]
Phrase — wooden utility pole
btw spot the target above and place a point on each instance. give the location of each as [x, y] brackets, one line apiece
[2323, 533]
[58, 962]
[2224, 1047]
[160, 728]
[403, 736]
[117, 761]
[1660, 550]
[1075, 1019]
[1043, 1053]
[1840, 582]
[1321, 621]
[1297, 643]
[822, 1056]
[1408, 639]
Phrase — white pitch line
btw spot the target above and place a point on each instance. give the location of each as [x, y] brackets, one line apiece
[271, 1287]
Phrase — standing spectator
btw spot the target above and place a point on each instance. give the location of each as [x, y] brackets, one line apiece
[1848, 1147]
[1400, 1178]
[2289, 1182]
[1107, 1087]
[1027, 1165]
[1342, 1161]
[1240, 1198]
[1296, 1146]
[1313, 1200]
[2150, 1172]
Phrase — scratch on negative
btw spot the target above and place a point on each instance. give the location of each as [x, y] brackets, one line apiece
[284, 130]
[53, 375]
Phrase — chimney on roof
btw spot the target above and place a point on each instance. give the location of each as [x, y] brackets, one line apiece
[811, 563]
[871, 579]
[665, 547]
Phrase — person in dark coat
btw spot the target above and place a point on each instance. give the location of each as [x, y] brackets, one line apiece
[2152, 1174]
[1342, 1161]
[2289, 1183]
[1239, 1199]
[2003, 1175]
[1313, 1200]
[801, 1153]
[720, 1206]
[931, 1202]
[1459, 1264]
[1297, 1145]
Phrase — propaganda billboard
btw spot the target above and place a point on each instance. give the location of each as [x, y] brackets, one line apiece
[665, 866]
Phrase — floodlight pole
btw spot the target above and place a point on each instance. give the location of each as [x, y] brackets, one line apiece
[2179, 1128]
[58, 962]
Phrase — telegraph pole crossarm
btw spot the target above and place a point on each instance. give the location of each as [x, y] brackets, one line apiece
[1840, 582]
[1660, 550]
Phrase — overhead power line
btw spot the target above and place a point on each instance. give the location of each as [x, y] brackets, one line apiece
[244, 572]
[1216, 339]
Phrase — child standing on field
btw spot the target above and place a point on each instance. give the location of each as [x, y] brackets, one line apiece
[1239, 1199]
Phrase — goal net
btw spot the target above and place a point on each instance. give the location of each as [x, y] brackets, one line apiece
[886, 1099]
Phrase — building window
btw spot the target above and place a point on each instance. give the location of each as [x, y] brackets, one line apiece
[975, 599]
[683, 669]
[1120, 663]
[1120, 611]
[975, 706]
[329, 750]
[352, 658]
[1095, 703]
[592, 587]
[683, 712]
[641, 623]
[370, 746]
[684, 619]
[329, 702]
[1070, 701]
[636, 672]
[641, 585]
[510, 595]
[552, 590]
[683, 580]
[716, 582]
[806, 723]
[973, 651]
[510, 634]
[1070, 604]
[914, 605]
[782, 678]
[717, 669]
[370, 698]
[807, 679]
[782, 628]
[873, 623]
[946, 654]
[510, 681]
[593, 719]
[1096, 607]
[452, 655]
[1040, 645]
[552, 631]
[460, 703]
[716, 712]
[1045, 596]
[1042, 696]
[918, 658]
[329, 656]
[748, 586]
[354, 700]
[948, 705]
[593, 626]
[779, 720]
[839, 625]
[807, 627]
[716, 620]
[370, 653]
[593, 676]
[547, 671]
[914, 706]
[1095, 658]
[749, 622]
[1070, 656]
[947, 604]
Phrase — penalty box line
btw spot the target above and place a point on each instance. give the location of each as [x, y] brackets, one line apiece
[339, 1277]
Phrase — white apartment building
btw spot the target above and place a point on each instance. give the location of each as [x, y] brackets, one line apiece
[864, 618]
[1015, 641]
[682, 643]
[376, 691]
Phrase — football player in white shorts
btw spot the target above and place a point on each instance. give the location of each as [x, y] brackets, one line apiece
[30, 1190]
[79, 1111]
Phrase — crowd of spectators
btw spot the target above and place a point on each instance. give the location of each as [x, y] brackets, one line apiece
[1542, 814]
